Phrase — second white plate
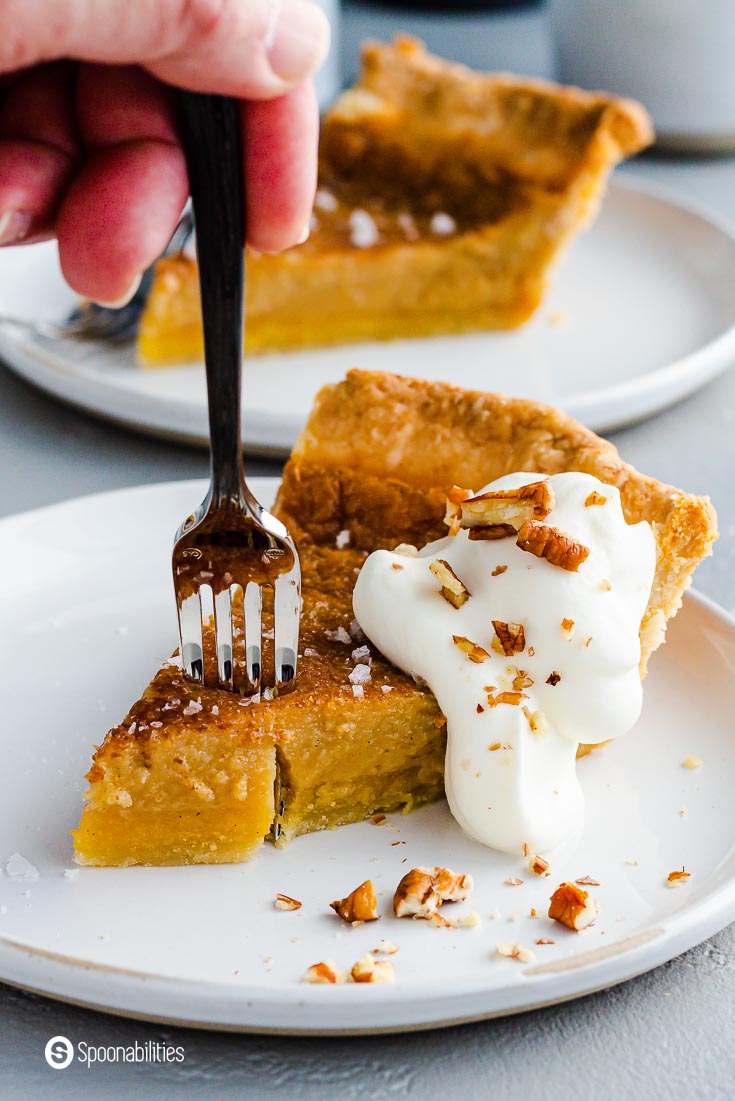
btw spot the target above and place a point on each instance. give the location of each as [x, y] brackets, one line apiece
[640, 314]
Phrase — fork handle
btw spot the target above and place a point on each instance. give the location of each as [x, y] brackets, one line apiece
[212, 139]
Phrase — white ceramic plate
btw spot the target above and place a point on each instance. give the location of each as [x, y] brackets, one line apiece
[89, 615]
[640, 314]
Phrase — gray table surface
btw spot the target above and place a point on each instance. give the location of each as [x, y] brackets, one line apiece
[667, 1034]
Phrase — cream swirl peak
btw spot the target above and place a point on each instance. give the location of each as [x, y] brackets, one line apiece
[524, 623]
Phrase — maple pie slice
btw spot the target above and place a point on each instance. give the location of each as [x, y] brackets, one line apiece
[197, 775]
[444, 198]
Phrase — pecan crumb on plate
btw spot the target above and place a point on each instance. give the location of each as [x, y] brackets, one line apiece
[678, 878]
[359, 905]
[423, 890]
[515, 951]
[284, 902]
[573, 907]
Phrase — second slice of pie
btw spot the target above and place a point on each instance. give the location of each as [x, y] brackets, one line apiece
[445, 196]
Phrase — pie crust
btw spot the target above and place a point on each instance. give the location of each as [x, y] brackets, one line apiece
[445, 197]
[195, 775]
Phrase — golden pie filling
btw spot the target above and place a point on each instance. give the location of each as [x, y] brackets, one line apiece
[444, 198]
[194, 775]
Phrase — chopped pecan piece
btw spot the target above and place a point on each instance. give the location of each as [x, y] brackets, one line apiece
[544, 940]
[471, 649]
[553, 679]
[452, 589]
[422, 891]
[283, 902]
[454, 499]
[512, 698]
[498, 570]
[521, 680]
[490, 532]
[324, 972]
[385, 948]
[500, 513]
[587, 881]
[515, 951]
[678, 878]
[553, 545]
[451, 886]
[536, 720]
[509, 638]
[538, 865]
[573, 907]
[595, 498]
[441, 922]
[513, 881]
[367, 969]
[360, 905]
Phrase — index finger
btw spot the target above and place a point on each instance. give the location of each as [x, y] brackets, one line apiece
[251, 49]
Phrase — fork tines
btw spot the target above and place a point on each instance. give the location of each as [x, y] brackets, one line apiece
[238, 634]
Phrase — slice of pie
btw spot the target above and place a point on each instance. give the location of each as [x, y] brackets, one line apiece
[194, 775]
[444, 198]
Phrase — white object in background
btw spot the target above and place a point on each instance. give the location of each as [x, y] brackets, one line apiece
[675, 56]
[328, 79]
[81, 571]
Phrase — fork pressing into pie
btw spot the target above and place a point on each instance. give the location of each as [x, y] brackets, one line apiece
[231, 551]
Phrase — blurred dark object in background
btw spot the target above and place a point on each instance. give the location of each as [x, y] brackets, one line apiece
[448, 8]
[484, 36]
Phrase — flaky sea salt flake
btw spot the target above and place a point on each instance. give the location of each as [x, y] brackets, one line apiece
[442, 223]
[17, 867]
[363, 230]
[360, 675]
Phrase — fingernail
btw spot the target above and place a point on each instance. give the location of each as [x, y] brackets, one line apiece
[304, 235]
[298, 39]
[124, 299]
[14, 226]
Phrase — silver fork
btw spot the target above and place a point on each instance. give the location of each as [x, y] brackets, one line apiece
[89, 322]
[230, 550]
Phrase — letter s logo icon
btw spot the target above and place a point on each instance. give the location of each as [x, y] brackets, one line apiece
[59, 1052]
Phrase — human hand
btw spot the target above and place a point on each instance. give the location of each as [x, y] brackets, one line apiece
[89, 146]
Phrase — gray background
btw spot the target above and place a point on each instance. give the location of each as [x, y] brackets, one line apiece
[668, 1034]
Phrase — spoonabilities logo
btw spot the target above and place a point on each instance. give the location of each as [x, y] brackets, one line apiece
[59, 1052]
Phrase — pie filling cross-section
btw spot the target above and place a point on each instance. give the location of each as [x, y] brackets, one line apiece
[193, 775]
[445, 196]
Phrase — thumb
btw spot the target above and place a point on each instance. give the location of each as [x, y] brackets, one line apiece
[252, 49]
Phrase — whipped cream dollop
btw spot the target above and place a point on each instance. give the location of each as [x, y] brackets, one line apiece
[519, 702]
